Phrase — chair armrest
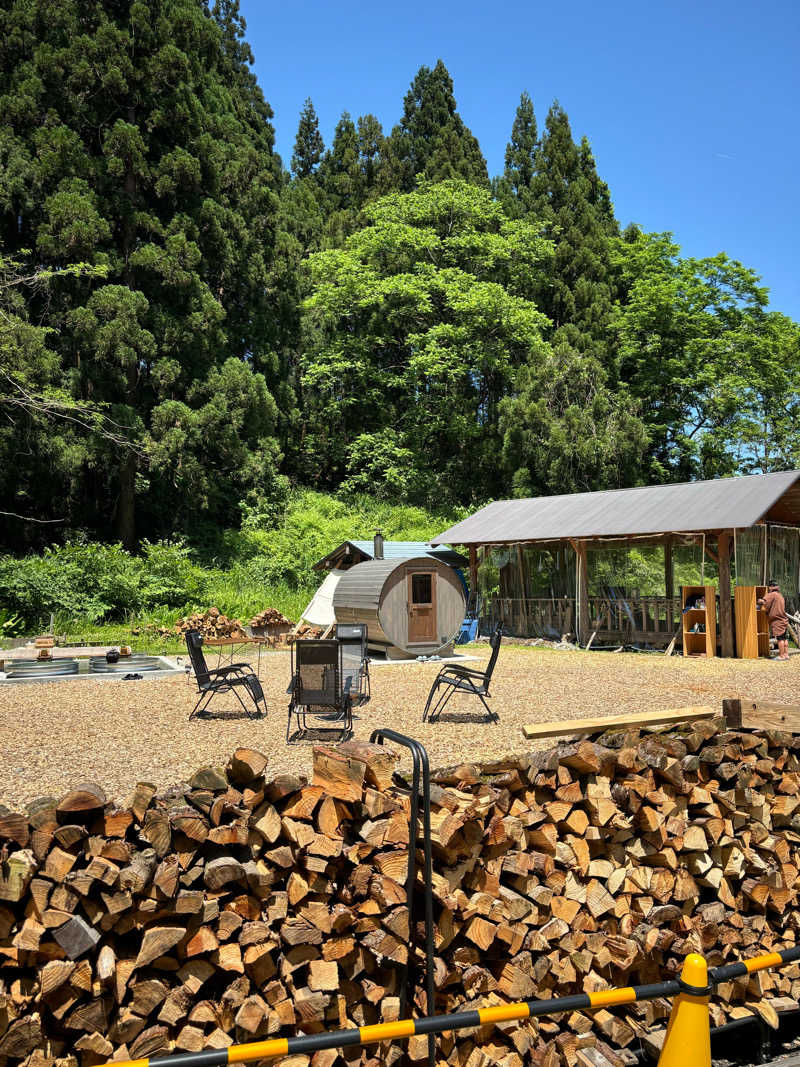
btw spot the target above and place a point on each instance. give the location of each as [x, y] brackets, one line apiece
[462, 672]
[347, 684]
[231, 668]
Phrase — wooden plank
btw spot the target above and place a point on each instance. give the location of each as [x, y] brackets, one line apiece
[617, 722]
[744, 605]
[749, 714]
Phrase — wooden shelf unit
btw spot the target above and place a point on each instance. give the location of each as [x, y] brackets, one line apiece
[703, 643]
[752, 623]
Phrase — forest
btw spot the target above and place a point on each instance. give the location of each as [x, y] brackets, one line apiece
[194, 332]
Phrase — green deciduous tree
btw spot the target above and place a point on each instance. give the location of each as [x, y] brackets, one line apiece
[696, 350]
[416, 329]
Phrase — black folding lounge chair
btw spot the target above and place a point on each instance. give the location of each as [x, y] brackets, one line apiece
[230, 679]
[352, 638]
[320, 688]
[453, 678]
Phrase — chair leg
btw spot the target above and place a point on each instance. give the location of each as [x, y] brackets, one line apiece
[245, 709]
[492, 716]
[433, 689]
[197, 709]
[442, 703]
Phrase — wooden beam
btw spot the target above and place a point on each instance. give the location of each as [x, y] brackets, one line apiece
[473, 576]
[725, 603]
[669, 569]
[747, 714]
[582, 621]
[693, 713]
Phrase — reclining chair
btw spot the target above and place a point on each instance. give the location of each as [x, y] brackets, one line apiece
[453, 678]
[230, 679]
[319, 687]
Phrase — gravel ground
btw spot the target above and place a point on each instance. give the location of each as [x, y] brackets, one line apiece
[54, 735]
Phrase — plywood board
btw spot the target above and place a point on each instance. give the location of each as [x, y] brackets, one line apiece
[619, 722]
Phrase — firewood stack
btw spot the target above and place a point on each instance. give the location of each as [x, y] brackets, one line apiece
[272, 625]
[306, 632]
[238, 907]
[211, 623]
[269, 617]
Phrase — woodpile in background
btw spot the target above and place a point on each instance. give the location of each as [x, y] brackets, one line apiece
[237, 906]
[269, 617]
[306, 632]
[211, 623]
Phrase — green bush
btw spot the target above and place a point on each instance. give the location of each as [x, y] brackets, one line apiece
[96, 582]
[86, 584]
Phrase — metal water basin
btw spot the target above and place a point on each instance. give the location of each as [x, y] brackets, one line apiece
[41, 668]
[126, 664]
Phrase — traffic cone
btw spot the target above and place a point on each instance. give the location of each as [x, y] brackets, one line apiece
[688, 1039]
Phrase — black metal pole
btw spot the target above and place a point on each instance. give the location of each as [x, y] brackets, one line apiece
[421, 763]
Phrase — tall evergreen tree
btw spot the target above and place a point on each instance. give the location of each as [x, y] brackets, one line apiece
[372, 152]
[569, 197]
[308, 144]
[153, 158]
[431, 138]
[515, 188]
[342, 180]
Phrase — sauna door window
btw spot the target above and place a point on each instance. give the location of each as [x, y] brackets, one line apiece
[421, 608]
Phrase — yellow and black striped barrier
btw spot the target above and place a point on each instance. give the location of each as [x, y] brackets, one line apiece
[687, 1042]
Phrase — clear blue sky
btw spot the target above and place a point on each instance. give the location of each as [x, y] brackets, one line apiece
[692, 108]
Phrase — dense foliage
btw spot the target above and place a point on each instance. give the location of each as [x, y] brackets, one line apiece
[241, 572]
[190, 331]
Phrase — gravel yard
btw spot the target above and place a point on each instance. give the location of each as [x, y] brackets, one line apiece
[53, 735]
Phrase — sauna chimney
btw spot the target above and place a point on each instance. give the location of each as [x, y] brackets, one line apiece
[377, 545]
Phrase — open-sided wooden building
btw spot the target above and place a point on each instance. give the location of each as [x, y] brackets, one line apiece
[611, 564]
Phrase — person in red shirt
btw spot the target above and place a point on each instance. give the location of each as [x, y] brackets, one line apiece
[775, 607]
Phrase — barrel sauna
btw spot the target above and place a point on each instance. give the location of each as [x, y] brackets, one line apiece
[412, 607]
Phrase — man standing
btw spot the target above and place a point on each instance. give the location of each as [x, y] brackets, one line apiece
[775, 607]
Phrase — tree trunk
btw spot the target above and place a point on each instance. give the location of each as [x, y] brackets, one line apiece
[126, 505]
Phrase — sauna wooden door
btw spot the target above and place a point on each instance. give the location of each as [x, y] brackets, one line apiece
[421, 607]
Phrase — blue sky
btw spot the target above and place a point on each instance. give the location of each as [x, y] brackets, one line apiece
[692, 108]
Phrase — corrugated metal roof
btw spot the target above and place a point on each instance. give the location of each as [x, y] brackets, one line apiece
[688, 507]
[406, 550]
[399, 550]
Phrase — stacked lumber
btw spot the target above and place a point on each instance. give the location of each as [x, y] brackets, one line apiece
[211, 623]
[269, 617]
[237, 907]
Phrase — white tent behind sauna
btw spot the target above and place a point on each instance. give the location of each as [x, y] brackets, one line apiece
[319, 611]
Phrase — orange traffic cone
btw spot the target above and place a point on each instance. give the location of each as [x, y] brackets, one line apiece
[688, 1039]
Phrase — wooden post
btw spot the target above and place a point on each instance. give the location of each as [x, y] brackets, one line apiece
[725, 609]
[583, 593]
[669, 569]
[473, 575]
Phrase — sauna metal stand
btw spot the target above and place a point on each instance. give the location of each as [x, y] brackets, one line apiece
[422, 771]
